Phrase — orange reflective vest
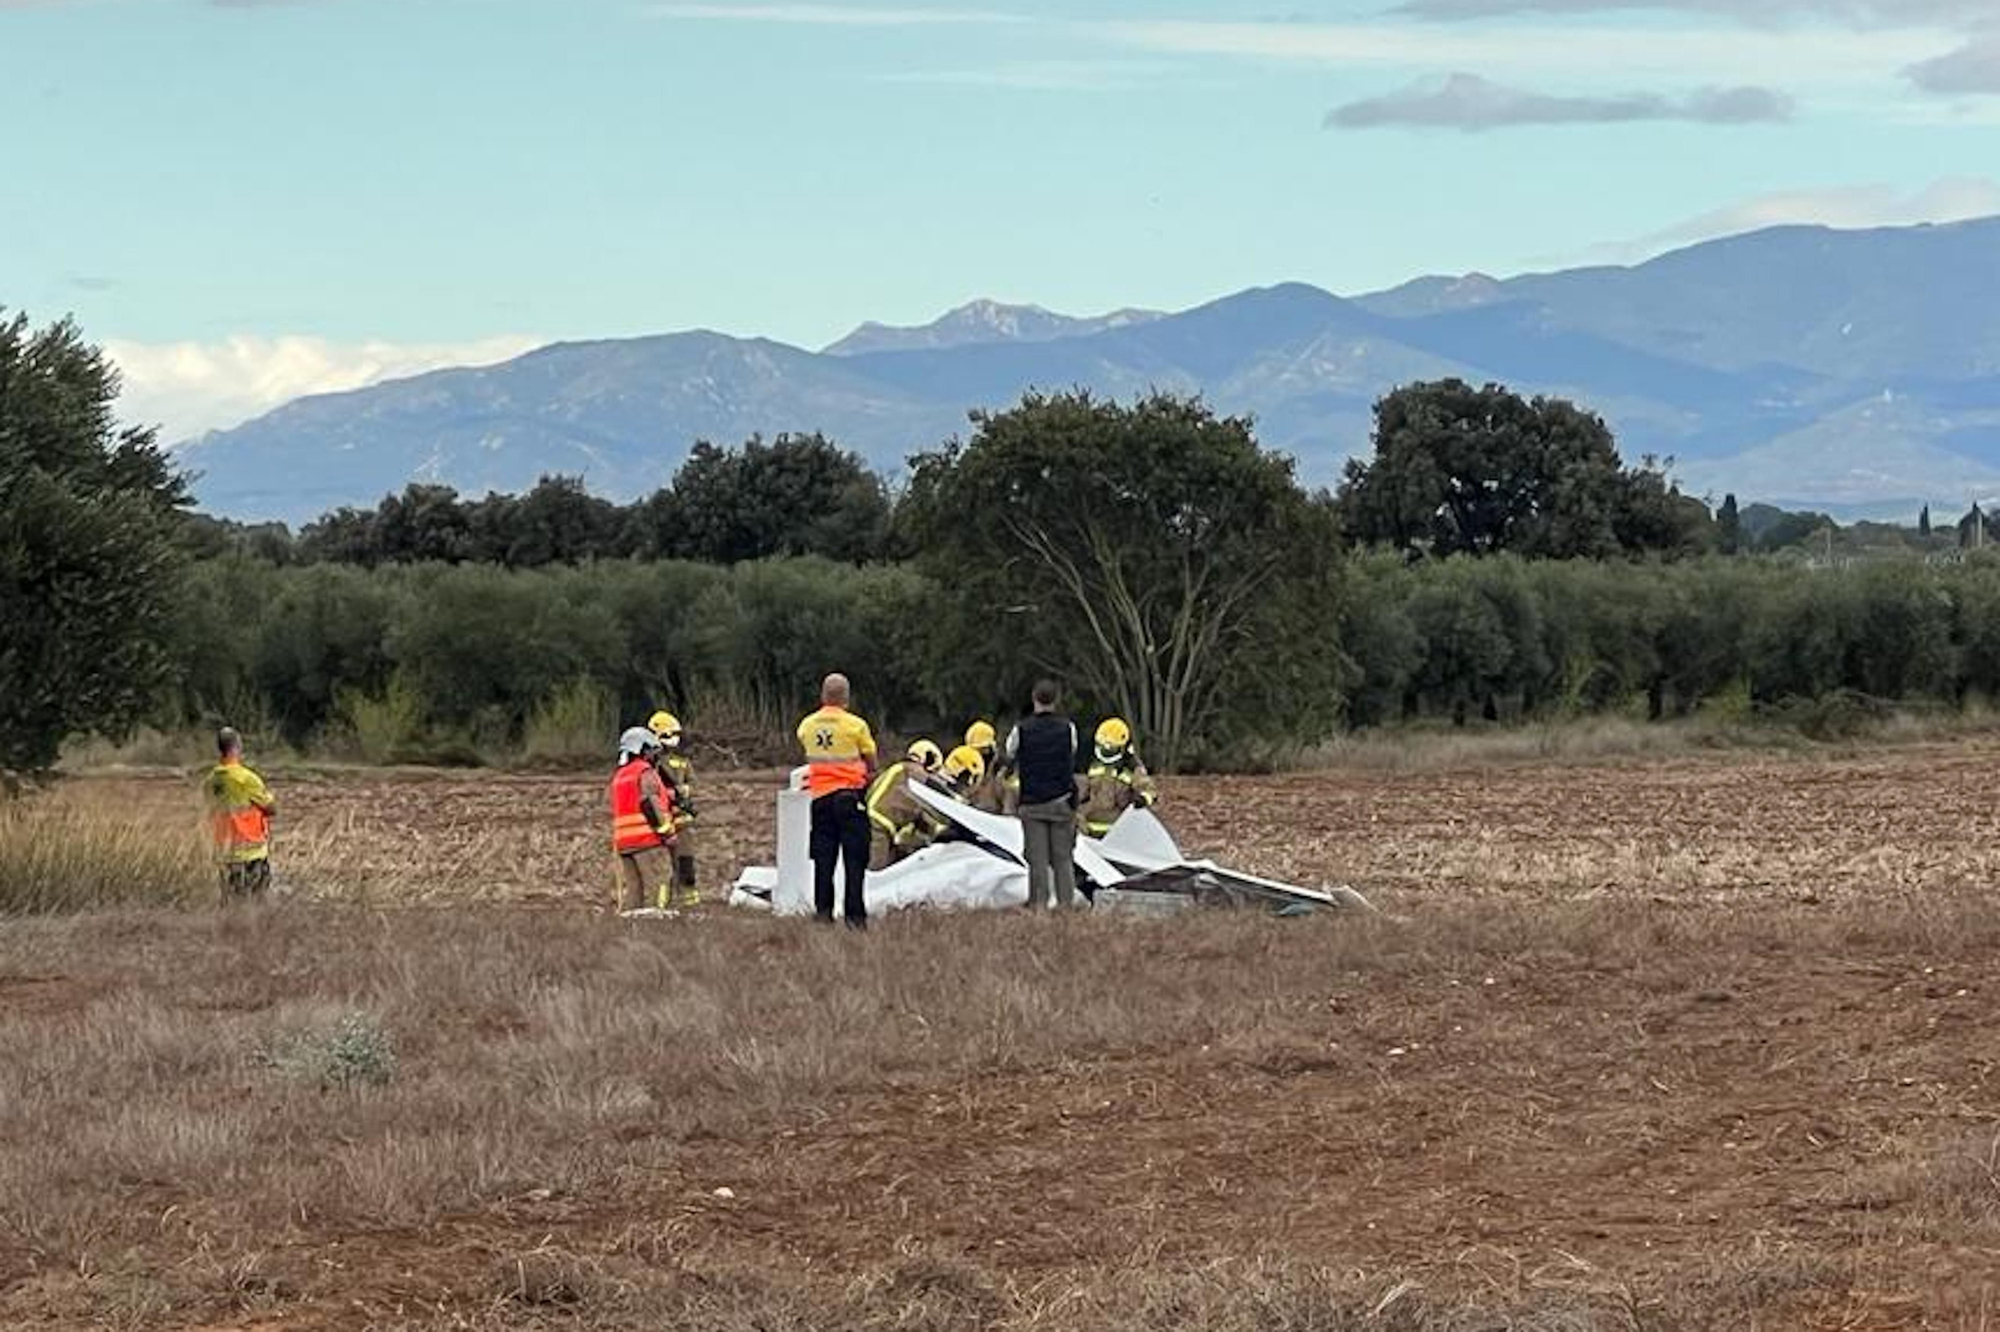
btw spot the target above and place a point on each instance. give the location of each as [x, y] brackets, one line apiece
[631, 830]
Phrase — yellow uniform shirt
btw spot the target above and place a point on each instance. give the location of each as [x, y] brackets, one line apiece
[239, 813]
[839, 750]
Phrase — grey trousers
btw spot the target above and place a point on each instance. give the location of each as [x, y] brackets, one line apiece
[1049, 832]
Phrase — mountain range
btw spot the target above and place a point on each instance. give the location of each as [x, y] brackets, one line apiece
[1854, 371]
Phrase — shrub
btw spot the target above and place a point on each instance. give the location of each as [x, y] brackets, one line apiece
[385, 726]
[574, 725]
[354, 1051]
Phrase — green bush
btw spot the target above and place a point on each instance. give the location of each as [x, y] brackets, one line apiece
[354, 1051]
[434, 663]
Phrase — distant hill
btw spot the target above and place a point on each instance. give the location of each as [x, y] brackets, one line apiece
[983, 321]
[1835, 368]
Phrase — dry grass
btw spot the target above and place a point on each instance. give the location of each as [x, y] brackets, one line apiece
[1224, 1296]
[1614, 738]
[1439, 749]
[573, 727]
[59, 852]
[1541, 1117]
[1612, 1071]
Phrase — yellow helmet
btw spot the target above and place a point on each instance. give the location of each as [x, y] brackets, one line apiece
[925, 755]
[667, 726]
[1113, 738]
[981, 736]
[965, 767]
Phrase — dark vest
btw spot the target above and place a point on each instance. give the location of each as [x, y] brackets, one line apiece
[1046, 758]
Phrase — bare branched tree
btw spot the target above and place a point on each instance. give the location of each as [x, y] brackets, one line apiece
[1156, 544]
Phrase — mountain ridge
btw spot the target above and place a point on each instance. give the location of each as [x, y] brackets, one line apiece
[983, 321]
[1783, 339]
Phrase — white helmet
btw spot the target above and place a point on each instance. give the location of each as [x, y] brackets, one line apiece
[637, 740]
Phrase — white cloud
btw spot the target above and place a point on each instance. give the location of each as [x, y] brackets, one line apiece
[846, 16]
[1886, 13]
[1948, 199]
[1471, 104]
[1046, 76]
[1678, 52]
[189, 387]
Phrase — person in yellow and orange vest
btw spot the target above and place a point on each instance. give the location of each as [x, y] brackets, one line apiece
[240, 807]
[642, 822]
[676, 769]
[1116, 780]
[840, 761]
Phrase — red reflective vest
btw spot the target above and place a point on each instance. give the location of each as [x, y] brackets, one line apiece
[630, 828]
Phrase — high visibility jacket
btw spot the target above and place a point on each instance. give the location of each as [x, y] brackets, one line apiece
[990, 792]
[1109, 789]
[839, 750]
[677, 771]
[895, 812]
[632, 786]
[239, 813]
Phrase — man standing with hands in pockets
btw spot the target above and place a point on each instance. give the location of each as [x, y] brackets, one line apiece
[1041, 751]
[840, 761]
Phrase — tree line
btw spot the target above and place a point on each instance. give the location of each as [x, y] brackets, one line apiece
[1455, 471]
[792, 495]
[472, 652]
[1491, 558]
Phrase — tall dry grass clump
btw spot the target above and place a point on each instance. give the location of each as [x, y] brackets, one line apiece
[58, 854]
[574, 725]
[384, 727]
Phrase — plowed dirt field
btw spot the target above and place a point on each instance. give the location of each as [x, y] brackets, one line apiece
[1731, 830]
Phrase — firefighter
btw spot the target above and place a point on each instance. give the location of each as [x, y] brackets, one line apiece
[1116, 780]
[676, 769]
[993, 790]
[642, 822]
[964, 773]
[240, 807]
[903, 824]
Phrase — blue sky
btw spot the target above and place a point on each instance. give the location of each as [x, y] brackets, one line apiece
[247, 199]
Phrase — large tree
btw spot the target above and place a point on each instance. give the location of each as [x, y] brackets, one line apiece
[796, 495]
[89, 556]
[1476, 471]
[1729, 526]
[1152, 555]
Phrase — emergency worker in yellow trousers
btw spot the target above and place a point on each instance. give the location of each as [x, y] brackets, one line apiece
[901, 824]
[676, 769]
[240, 807]
[994, 792]
[964, 772]
[1116, 780]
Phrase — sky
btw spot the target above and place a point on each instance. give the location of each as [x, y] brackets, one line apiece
[245, 200]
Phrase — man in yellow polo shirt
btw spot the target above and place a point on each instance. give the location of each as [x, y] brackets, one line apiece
[239, 816]
[840, 761]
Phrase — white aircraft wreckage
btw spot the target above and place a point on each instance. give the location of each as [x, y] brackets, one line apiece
[981, 866]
